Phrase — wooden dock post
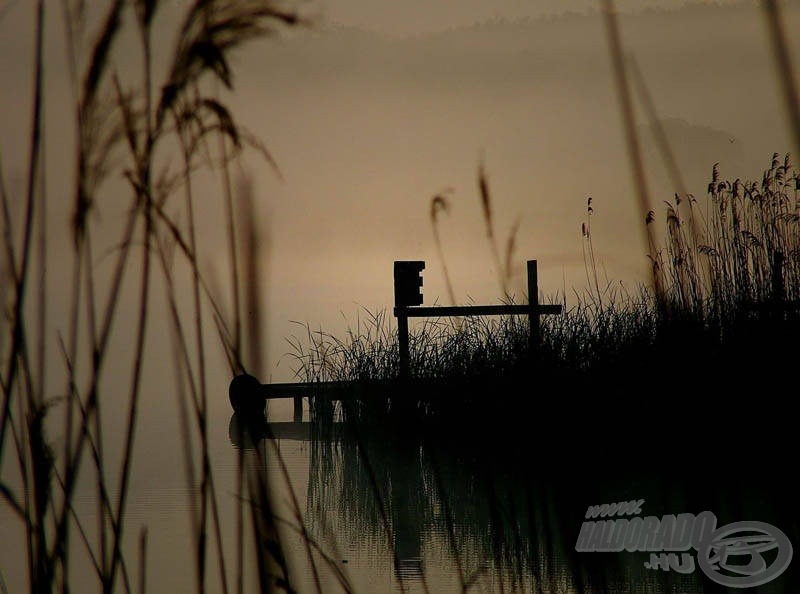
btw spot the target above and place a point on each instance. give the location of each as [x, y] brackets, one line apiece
[249, 396]
[407, 293]
[534, 337]
[298, 409]
[402, 342]
[407, 298]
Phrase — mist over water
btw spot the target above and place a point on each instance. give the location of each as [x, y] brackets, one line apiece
[366, 127]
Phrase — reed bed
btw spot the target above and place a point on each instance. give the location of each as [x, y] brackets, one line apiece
[126, 126]
[746, 247]
[721, 317]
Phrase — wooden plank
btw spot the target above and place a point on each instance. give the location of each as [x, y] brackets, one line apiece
[534, 338]
[298, 409]
[473, 310]
[300, 389]
[402, 342]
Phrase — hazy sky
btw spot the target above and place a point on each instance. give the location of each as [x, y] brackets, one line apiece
[369, 119]
[422, 16]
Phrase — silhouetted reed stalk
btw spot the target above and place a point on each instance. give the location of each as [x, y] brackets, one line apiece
[629, 126]
[750, 239]
[589, 260]
[111, 115]
[787, 78]
[440, 204]
[503, 266]
[232, 251]
[191, 141]
[33, 455]
[486, 210]
[660, 136]
[253, 267]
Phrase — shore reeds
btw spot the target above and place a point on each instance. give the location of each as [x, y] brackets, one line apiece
[723, 321]
[124, 124]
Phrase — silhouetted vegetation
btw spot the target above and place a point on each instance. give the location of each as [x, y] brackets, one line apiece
[125, 123]
[721, 320]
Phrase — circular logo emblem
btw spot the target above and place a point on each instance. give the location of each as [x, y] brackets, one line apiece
[733, 554]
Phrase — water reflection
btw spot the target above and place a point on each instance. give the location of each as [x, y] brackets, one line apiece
[417, 495]
[247, 432]
[504, 511]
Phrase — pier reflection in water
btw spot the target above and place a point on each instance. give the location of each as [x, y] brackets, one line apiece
[495, 510]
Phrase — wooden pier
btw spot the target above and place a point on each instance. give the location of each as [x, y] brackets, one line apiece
[408, 301]
[299, 390]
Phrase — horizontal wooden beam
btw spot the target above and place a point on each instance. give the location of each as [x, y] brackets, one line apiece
[474, 310]
[292, 390]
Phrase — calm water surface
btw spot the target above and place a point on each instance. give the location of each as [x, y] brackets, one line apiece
[393, 512]
[498, 512]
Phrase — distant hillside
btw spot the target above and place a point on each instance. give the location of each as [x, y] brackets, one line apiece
[642, 11]
[696, 149]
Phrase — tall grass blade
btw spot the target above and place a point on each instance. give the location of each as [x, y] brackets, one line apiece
[784, 70]
[440, 204]
[628, 120]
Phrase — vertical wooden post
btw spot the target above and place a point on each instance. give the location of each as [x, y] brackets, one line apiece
[533, 303]
[298, 409]
[402, 340]
[407, 292]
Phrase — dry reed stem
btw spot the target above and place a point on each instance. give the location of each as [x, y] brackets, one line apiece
[629, 125]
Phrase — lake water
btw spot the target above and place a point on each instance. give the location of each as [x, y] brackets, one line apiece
[437, 513]
[390, 509]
